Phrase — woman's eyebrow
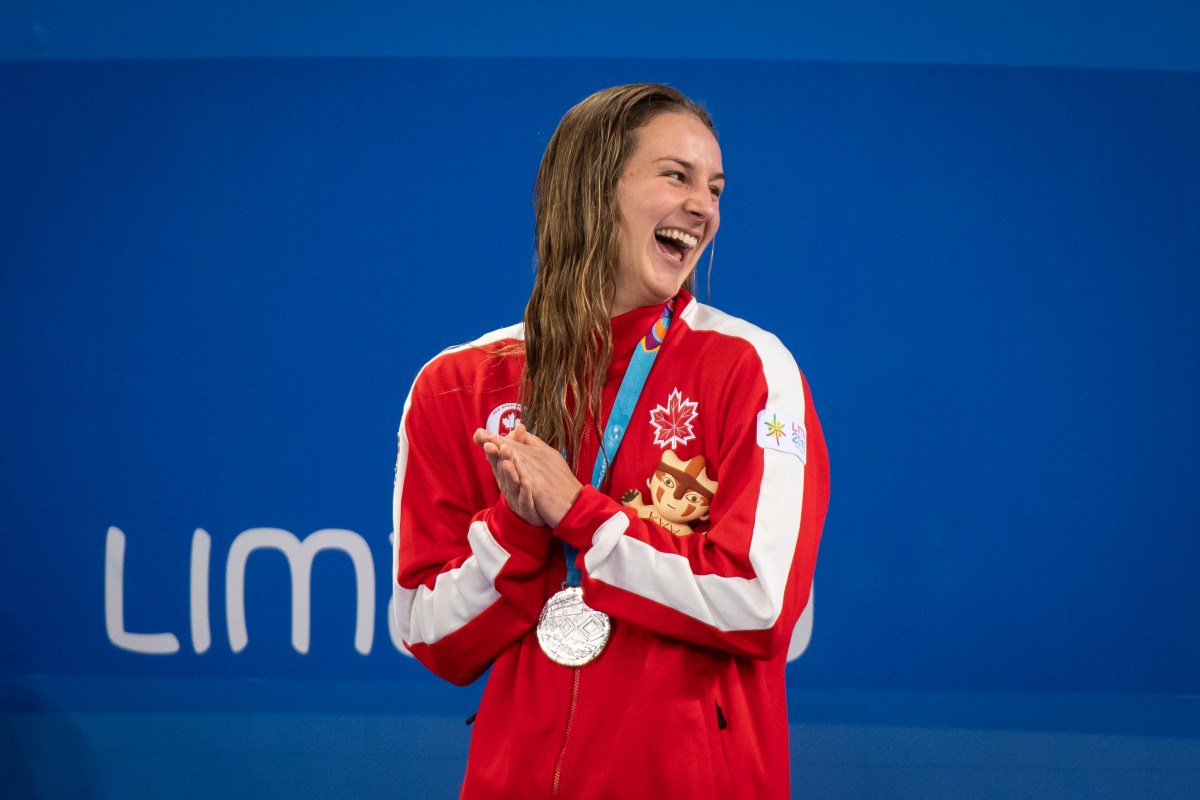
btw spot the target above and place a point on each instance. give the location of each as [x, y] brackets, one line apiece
[716, 176]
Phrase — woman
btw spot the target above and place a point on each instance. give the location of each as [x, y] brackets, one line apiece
[657, 669]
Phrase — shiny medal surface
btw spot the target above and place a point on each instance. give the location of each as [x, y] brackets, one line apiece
[569, 632]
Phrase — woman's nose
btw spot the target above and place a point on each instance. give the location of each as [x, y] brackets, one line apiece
[701, 203]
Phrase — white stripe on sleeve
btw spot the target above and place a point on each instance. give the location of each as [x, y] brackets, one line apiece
[458, 595]
[422, 615]
[725, 603]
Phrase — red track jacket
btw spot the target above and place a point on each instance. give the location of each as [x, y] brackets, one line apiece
[701, 548]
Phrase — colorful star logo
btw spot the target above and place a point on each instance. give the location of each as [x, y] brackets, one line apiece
[775, 428]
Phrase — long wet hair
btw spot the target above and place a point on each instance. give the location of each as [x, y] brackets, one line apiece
[568, 338]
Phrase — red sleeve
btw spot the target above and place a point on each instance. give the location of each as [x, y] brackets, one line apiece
[469, 582]
[741, 586]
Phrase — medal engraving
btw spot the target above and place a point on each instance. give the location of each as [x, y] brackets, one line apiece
[569, 632]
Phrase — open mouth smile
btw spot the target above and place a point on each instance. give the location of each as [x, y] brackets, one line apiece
[675, 243]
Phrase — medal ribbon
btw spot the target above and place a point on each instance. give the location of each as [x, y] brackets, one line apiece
[643, 357]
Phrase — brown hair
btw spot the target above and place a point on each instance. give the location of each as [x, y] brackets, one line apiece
[568, 339]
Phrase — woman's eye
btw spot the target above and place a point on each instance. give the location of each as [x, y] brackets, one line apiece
[674, 175]
[716, 192]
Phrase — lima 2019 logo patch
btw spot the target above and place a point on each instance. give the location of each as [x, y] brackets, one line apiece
[779, 430]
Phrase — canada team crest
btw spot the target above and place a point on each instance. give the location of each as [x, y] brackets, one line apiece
[504, 418]
[673, 422]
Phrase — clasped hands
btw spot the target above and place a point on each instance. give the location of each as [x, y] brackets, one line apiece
[537, 483]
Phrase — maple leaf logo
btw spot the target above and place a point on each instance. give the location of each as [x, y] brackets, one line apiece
[673, 423]
[505, 418]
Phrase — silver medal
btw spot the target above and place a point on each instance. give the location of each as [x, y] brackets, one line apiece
[569, 632]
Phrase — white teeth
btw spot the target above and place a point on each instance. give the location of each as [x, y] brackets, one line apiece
[678, 235]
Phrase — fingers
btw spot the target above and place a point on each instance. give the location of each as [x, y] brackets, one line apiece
[524, 436]
[526, 502]
[517, 490]
[520, 436]
[483, 436]
[533, 477]
[492, 446]
[502, 458]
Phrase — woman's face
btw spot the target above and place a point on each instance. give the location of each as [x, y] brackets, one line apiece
[667, 196]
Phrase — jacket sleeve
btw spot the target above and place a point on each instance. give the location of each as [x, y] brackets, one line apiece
[742, 586]
[470, 574]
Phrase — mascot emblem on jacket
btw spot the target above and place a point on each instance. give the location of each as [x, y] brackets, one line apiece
[677, 496]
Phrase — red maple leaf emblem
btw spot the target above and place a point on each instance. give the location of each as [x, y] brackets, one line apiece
[673, 423]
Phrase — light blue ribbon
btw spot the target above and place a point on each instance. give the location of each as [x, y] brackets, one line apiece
[618, 420]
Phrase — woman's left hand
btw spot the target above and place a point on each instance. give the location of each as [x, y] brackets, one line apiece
[542, 470]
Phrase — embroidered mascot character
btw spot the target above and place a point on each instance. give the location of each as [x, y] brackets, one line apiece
[679, 493]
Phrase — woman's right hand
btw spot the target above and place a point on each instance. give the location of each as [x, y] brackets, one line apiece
[507, 471]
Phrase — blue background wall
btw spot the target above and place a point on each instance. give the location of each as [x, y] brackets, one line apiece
[979, 236]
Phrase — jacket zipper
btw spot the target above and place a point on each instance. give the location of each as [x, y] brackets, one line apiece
[562, 752]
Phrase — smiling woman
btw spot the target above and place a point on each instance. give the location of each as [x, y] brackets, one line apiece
[636, 611]
[668, 195]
